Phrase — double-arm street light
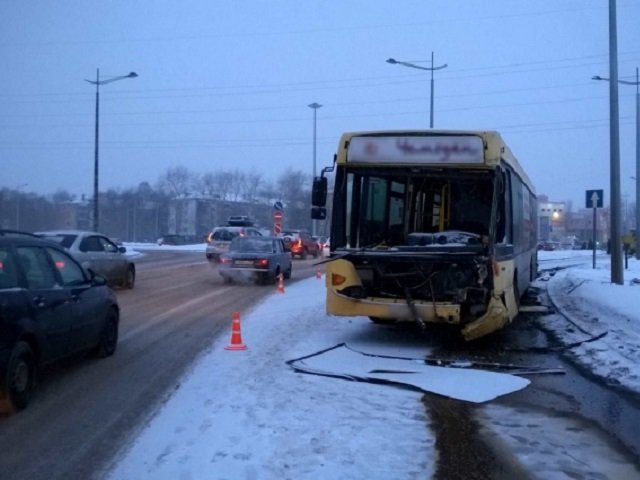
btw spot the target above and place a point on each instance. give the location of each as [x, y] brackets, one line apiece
[315, 106]
[97, 82]
[637, 177]
[419, 67]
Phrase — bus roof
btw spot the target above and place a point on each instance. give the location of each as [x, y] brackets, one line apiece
[494, 146]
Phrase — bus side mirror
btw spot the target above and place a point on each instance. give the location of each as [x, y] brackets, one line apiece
[318, 213]
[319, 193]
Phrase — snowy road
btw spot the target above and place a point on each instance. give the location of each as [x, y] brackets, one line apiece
[248, 415]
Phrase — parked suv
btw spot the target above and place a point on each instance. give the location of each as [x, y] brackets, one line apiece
[50, 308]
[300, 243]
[220, 238]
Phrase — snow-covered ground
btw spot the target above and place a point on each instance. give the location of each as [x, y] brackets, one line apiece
[248, 415]
[593, 306]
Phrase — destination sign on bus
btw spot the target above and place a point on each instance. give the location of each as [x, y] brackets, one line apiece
[416, 149]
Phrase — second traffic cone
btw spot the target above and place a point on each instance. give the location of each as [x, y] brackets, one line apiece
[280, 284]
[318, 273]
[236, 335]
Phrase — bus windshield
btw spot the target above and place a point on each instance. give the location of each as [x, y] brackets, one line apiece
[391, 207]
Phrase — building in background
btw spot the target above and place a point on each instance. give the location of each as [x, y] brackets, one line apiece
[561, 227]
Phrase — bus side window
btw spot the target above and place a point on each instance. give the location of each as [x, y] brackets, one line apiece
[503, 209]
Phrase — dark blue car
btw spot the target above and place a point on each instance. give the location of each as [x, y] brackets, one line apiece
[50, 308]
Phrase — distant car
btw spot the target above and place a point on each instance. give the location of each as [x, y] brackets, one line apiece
[255, 258]
[50, 308]
[220, 238]
[548, 246]
[300, 243]
[173, 239]
[96, 251]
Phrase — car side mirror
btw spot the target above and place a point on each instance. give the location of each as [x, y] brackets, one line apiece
[319, 192]
[122, 249]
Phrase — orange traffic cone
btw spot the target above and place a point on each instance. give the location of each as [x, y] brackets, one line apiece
[280, 284]
[236, 335]
[318, 273]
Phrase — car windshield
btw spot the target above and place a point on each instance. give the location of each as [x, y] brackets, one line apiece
[250, 245]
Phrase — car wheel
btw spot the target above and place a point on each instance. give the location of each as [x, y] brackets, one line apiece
[227, 280]
[303, 255]
[131, 277]
[109, 336]
[15, 392]
[287, 273]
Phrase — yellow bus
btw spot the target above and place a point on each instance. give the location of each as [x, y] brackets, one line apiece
[428, 226]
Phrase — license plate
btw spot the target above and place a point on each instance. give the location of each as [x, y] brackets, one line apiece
[244, 262]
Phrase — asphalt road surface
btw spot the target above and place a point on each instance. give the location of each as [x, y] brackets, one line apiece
[85, 409]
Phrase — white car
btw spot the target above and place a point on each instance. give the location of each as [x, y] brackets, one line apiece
[97, 252]
[220, 238]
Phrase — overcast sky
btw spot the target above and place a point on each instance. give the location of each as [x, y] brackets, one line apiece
[225, 85]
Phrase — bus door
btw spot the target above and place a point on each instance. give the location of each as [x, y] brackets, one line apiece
[432, 208]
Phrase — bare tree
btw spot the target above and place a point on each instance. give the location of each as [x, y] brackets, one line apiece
[62, 196]
[295, 194]
[251, 185]
[293, 187]
[176, 181]
[237, 182]
[206, 184]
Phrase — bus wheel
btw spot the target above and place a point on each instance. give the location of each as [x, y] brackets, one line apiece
[382, 321]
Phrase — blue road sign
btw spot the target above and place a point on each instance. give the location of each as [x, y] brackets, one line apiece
[594, 198]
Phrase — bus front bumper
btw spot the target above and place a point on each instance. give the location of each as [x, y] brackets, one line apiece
[343, 305]
[495, 318]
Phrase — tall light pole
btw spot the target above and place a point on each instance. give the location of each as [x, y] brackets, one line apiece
[315, 106]
[97, 83]
[637, 177]
[419, 67]
[617, 275]
[18, 204]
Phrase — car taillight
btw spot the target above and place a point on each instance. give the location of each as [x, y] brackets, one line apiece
[299, 243]
[225, 260]
[262, 262]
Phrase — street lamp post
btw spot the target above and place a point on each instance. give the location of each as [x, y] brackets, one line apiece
[419, 67]
[18, 204]
[617, 274]
[637, 177]
[97, 83]
[315, 106]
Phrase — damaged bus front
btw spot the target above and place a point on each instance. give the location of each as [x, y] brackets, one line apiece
[429, 227]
